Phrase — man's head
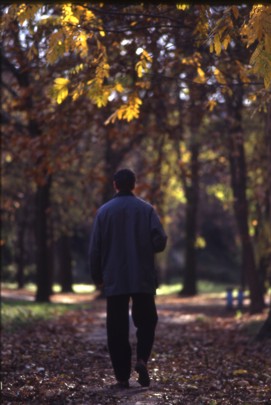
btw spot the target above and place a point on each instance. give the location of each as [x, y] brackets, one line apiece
[124, 180]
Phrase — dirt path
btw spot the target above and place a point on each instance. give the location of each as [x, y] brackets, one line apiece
[202, 355]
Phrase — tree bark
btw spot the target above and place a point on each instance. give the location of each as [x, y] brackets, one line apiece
[238, 170]
[265, 262]
[191, 188]
[44, 279]
[20, 257]
[192, 198]
[265, 330]
[23, 74]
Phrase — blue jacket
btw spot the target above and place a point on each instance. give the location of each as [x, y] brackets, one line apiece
[125, 236]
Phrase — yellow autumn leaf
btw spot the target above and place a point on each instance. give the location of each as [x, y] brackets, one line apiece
[119, 88]
[182, 6]
[219, 76]
[146, 55]
[137, 100]
[106, 69]
[130, 114]
[252, 97]
[217, 44]
[78, 92]
[60, 89]
[211, 105]
[62, 94]
[60, 82]
[139, 69]
[81, 42]
[101, 100]
[201, 76]
[127, 111]
[71, 19]
[66, 9]
[77, 68]
[226, 41]
[89, 15]
[120, 112]
[75, 95]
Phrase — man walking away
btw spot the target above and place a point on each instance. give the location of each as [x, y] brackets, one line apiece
[126, 235]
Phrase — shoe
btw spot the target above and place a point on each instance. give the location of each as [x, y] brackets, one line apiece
[120, 385]
[143, 375]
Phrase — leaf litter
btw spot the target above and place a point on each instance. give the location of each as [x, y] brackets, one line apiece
[202, 355]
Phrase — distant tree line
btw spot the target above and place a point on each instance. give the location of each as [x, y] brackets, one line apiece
[167, 90]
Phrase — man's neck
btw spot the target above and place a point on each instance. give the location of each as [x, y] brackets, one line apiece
[121, 193]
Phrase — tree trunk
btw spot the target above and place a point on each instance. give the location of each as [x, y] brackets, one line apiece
[265, 331]
[44, 279]
[20, 256]
[265, 262]
[238, 171]
[191, 188]
[192, 197]
[24, 74]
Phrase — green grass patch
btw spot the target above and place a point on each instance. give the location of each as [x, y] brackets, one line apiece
[15, 314]
[13, 286]
[166, 289]
[77, 288]
[204, 287]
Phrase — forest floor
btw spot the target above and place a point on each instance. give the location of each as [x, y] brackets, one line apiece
[203, 354]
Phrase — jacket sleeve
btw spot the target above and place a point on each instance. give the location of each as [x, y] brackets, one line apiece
[158, 236]
[94, 253]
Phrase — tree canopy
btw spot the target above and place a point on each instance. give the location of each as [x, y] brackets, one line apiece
[181, 93]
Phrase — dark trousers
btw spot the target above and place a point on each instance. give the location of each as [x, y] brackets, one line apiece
[145, 318]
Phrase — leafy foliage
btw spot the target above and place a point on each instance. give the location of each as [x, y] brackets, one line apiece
[256, 30]
[145, 71]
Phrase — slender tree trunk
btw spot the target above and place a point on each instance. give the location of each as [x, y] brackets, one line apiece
[44, 279]
[20, 255]
[191, 187]
[238, 171]
[265, 331]
[192, 198]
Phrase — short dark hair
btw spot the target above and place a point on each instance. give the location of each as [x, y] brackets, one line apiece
[125, 179]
